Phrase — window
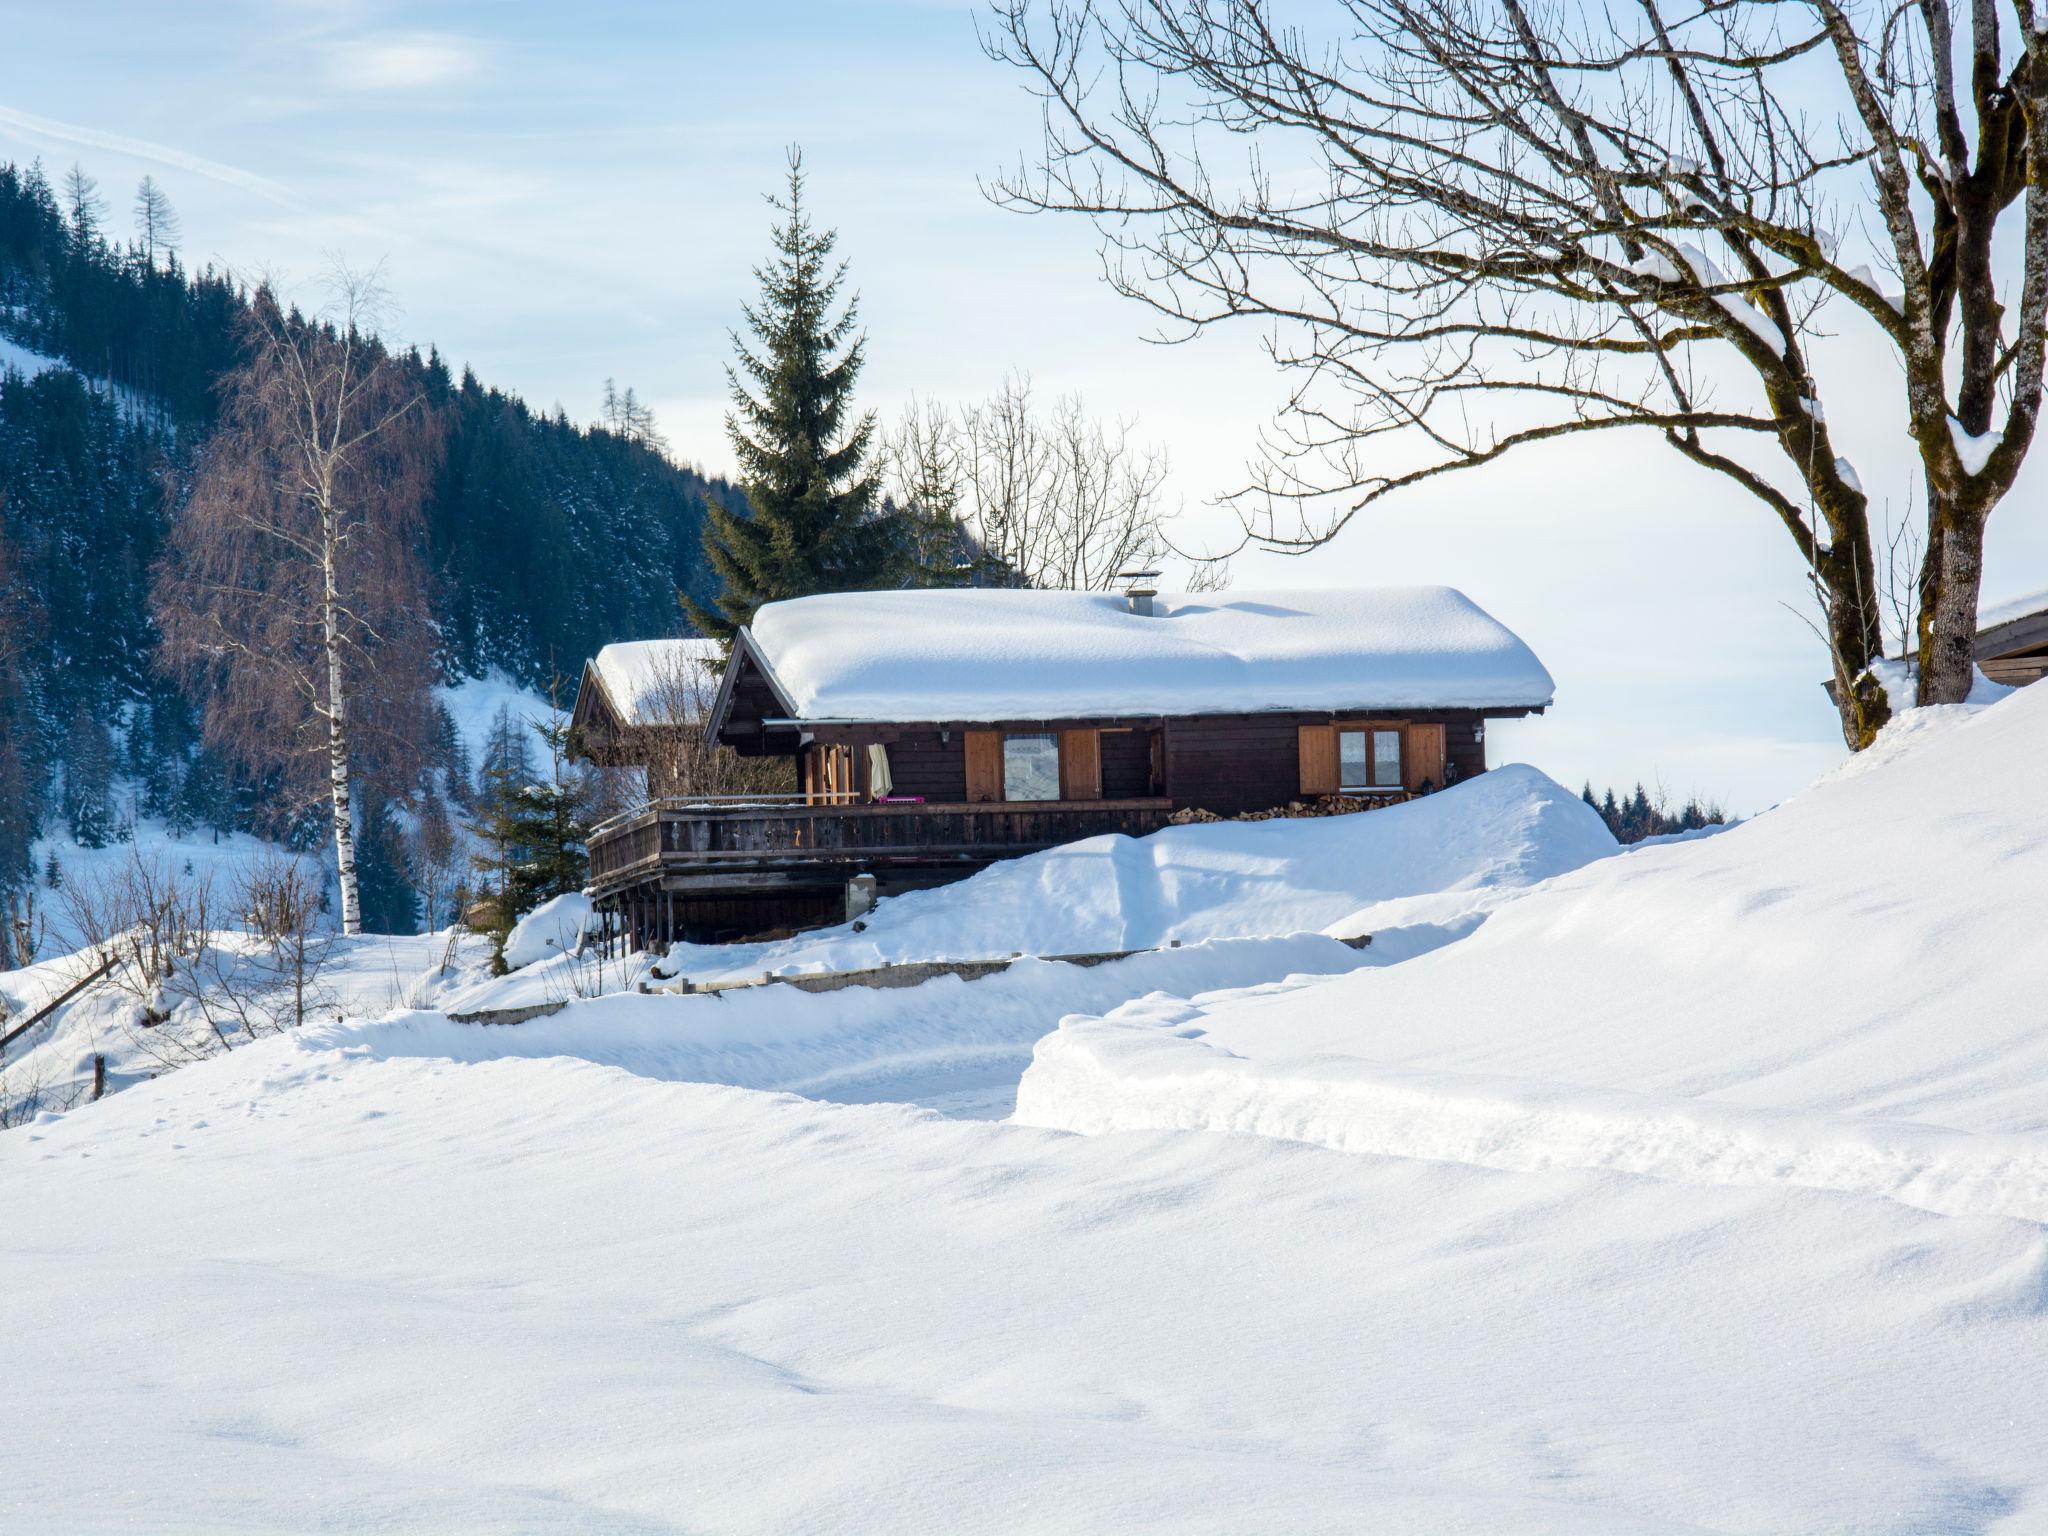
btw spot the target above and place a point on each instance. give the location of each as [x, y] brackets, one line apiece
[1368, 759]
[1031, 766]
[1351, 767]
[1386, 759]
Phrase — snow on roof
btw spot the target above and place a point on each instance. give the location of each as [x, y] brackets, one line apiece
[983, 654]
[638, 674]
[2012, 608]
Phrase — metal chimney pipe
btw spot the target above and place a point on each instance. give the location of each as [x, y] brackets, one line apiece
[1140, 587]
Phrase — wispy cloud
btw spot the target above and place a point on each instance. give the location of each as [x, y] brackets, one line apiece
[49, 130]
[403, 61]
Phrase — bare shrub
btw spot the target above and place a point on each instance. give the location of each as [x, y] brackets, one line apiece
[145, 913]
[680, 762]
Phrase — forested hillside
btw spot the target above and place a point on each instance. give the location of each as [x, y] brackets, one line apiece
[545, 540]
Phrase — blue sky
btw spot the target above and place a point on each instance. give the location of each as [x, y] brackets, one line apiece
[563, 194]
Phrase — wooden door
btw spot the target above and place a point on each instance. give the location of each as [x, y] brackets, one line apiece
[984, 765]
[1081, 765]
[1423, 758]
[1318, 751]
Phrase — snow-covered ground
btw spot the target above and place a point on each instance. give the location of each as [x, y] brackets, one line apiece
[1443, 856]
[474, 704]
[15, 358]
[1690, 1188]
[1848, 993]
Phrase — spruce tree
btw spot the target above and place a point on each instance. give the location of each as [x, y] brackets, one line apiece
[390, 904]
[530, 831]
[88, 782]
[810, 519]
[548, 828]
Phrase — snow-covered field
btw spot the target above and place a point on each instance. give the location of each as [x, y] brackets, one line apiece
[1691, 1188]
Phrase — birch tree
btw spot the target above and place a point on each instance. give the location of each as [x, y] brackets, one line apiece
[1473, 226]
[293, 590]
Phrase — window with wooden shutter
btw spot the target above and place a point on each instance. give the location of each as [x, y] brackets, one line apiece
[1318, 750]
[1425, 760]
[1081, 765]
[984, 765]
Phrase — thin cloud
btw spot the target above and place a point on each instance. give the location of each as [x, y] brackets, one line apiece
[410, 61]
[33, 127]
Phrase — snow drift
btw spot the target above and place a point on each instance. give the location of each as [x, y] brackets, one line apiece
[1843, 993]
[1461, 850]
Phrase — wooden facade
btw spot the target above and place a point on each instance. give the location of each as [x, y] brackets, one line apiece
[711, 868]
[919, 802]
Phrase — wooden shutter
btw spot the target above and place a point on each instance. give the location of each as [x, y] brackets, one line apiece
[1423, 757]
[1081, 765]
[984, 765]
[1318, 747]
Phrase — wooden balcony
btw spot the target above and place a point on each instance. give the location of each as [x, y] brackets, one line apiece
[759, 842]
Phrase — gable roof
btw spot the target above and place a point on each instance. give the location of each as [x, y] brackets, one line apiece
[636, 676]
[988, 654]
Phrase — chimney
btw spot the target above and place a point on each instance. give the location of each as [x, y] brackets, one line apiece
[1140, 587]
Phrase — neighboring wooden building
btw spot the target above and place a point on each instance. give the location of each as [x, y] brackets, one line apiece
[635, 696]
[2012, 641]
[934, 732]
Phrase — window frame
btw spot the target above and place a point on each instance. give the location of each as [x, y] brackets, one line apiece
[1051, 737]
[1371, 730]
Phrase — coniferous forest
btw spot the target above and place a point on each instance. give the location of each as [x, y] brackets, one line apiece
[545, 539]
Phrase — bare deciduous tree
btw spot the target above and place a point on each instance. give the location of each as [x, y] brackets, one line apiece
[1476, 225]
[626, 415]
[156, 221]
[293, 590]
[1055, 499]
[680, 762]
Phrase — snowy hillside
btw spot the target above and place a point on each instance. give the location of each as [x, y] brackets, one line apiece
[1690, 1188]
[1847, 992]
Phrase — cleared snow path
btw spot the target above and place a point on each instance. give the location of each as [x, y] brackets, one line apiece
[953, 1045]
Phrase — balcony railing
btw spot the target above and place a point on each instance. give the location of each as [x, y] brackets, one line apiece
[755, 833]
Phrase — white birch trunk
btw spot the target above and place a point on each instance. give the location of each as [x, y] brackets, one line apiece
[337, 730]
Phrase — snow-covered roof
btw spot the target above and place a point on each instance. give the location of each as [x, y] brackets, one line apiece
[2012, 608]
[981, 654]
[638, 676]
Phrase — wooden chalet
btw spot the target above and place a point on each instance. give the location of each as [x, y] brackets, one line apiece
[934, 732]
[2012, 641]
[635, 696]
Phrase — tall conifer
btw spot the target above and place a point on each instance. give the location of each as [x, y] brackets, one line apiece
[811, 520]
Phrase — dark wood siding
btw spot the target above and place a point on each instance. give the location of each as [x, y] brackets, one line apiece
[1127, 764]
[1462, 744]
[1221, 763]
[930, 768]
[1232, 763]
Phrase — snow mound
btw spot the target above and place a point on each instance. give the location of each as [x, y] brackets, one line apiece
[1432, 859]
[990, 654]
[555, 927]
[1841, 993]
